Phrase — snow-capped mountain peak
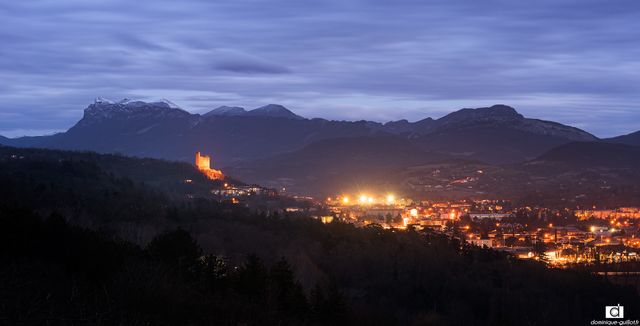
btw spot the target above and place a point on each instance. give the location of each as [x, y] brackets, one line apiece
[103, 109]
[102, 100]
[170, 104]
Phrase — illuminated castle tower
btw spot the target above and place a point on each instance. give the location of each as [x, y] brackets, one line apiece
[203, 163]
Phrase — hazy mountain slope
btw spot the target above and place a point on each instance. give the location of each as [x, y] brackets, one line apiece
[497, 134]
[580, 174]
[594, 155]
[340, 164]
[234, 139]
[629, 139]
[489, 142]
[571, 175]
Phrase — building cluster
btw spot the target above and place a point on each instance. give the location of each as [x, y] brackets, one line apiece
[565, 245]
[236, 191]
[605, 236]
[391, 212]
[622, 212]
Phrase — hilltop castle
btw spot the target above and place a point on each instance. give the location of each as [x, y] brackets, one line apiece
[203, 163]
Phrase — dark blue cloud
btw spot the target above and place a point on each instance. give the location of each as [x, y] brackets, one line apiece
[242, 63]
[252, 67]
[566, 60]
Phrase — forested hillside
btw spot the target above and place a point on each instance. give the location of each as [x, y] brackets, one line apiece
[71, 252]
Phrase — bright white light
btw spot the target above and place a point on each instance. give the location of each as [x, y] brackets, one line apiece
[391, 199]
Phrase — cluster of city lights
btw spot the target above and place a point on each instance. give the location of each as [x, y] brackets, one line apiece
[391, 212]
[364, 199]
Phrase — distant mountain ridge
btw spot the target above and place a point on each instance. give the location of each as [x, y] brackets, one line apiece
[275, 111]
[161, 129]
[629, 139]
[269, 110]
[226, 111]
[498, 115]
[496, 134]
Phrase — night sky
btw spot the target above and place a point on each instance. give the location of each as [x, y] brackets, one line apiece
[575, 62]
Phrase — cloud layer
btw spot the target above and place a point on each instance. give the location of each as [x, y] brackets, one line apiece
[571, 61]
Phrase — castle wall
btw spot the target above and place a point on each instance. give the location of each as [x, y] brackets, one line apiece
[203, 163]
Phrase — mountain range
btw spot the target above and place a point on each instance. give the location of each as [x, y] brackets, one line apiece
[277, 147]
[496, 134]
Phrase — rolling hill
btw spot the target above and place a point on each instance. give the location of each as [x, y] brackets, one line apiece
[594, 155]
